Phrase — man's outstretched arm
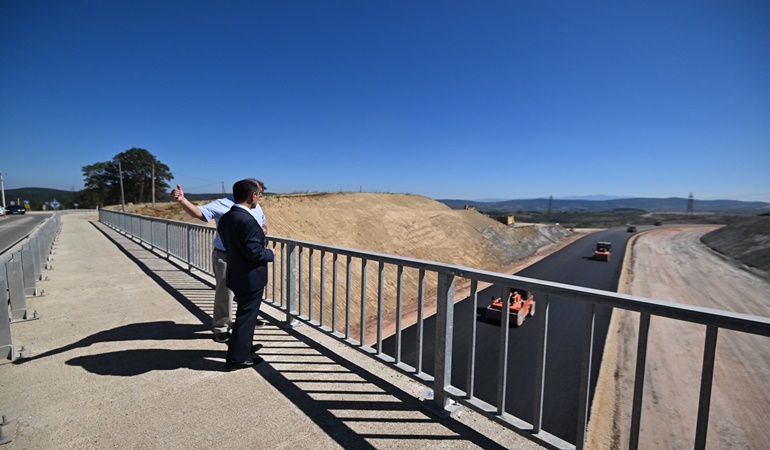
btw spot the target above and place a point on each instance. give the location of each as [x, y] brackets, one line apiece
[177, 195]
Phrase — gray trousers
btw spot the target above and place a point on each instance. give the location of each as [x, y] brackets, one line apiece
[223, 297]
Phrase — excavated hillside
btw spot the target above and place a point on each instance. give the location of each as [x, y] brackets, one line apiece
[747, 242]
[398, 224]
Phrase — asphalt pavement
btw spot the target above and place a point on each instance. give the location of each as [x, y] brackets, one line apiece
[122, 357]
[572, 265]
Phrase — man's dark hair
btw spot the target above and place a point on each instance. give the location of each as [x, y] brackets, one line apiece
[243, 189]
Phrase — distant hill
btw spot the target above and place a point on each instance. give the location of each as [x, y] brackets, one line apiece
[660, 205]
[190, 196]
[38, 196]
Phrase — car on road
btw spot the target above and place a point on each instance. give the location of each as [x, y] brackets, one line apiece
[631, 229]
[16, 209]
[658, 223]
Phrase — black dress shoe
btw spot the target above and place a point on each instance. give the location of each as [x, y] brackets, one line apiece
[231, 366]
[256, 347]
[223, 336]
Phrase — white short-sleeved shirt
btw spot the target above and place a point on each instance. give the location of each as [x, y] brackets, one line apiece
[216, 209]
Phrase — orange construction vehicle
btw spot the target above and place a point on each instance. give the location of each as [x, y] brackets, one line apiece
[522, 304]
[602, 252]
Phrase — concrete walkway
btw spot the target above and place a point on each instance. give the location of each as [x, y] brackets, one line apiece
[122, 357]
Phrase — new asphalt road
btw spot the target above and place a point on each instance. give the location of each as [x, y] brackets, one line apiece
[572, 265]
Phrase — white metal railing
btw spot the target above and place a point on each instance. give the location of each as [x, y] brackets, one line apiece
[302, 287]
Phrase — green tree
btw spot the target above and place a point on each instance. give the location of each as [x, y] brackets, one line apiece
[102, 179]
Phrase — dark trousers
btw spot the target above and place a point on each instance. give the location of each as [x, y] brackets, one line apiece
[242, 334]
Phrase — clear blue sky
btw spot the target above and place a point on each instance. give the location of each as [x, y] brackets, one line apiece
[447, 99]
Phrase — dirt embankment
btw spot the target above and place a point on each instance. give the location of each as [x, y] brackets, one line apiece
[747, 242]
[398, 224]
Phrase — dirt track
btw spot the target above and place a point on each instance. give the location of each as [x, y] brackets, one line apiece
[671, 264]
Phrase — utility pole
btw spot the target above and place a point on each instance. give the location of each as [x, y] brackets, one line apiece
[122, 196]
[153, 185]
[2, 187]
[223, 188]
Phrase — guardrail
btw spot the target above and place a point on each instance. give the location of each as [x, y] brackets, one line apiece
[304, 289]
[21, 270]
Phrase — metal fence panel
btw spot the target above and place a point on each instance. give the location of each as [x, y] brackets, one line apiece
[15, 279]
[28, 270]
[6, 344]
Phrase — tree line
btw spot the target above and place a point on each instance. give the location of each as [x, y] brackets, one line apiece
[136, 167]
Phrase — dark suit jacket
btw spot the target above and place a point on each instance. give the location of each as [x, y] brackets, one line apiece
[247, 257]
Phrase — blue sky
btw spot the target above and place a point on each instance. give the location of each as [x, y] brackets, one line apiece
[447, 99]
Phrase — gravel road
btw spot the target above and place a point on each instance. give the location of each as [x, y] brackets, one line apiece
[672, 264]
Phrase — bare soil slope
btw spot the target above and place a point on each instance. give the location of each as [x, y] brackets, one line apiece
[400, 224]
[747, 242]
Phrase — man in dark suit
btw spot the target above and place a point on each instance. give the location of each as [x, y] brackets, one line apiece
[247, 260]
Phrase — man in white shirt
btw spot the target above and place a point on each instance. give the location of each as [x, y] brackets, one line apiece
[223, 297]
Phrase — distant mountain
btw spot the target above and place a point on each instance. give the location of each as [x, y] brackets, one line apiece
[579, 197]
[592, 197]
[487, 200]
[673, 204]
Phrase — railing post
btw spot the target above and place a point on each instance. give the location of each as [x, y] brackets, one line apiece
[290, 281]
[420, 319]
[444, 330]
[362, 325]
[348, 290]
[641, 364]
[585, 377]
[706, 381]
[322, 289]
[399, 307]
[470, 373]
[502, 370]
[299, 281]
[542, 347]
[168, 243]
[310, 285]
[189, 250]
[335, 256]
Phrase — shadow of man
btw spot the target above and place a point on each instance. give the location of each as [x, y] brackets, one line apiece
[137, 361]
